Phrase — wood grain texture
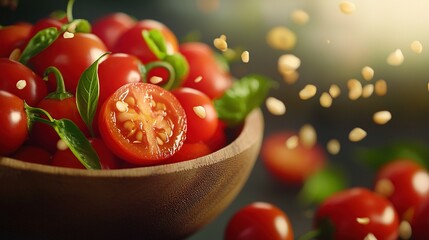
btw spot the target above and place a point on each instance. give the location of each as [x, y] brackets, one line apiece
[160, 202]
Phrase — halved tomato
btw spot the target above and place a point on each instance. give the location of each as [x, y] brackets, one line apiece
[142, 123]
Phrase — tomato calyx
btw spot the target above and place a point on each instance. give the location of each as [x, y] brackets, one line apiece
[145, 69]
[60, 92]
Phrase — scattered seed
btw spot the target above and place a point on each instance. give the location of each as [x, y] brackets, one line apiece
[292, 142]
[347, 7]
[382, 117]
[200, 111]
[363, 220]
[288, 63]
[333, 146]
[370, 236]
[67, 34]
[275, 106]
[198, 79]
[121, 106]
[395, 58]
[355, 89]
[334, 91]
[357, 134]
[405, 230]
[223, 37]
[245, 56]
[15, 54]
[325, 100]
[220, 43]
[300, 16]
[307, 136]
[159, 141]
[381, 87]
[308, 92]
[61, 145]
[281, 38]
[384, 187]
[328, 41]
[417, 47]
[155, 79]
[367, 90]
[290, 77]
[21, 84]
[367, 73]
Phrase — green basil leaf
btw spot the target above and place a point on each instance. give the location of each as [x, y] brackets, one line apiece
[43, 39]
[87, 93]
[156, 42]
[180, 66]
[77, 143]
[321, 185]
[244, 95]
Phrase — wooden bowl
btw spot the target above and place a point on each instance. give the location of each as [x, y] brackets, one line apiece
[169, 201]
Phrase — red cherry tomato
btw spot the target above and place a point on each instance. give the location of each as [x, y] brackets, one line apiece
[132, 41]
[45, 136]
[142, 123]
[71, 56]
[219, 138]
[110, 27]
[259, 221]
[291, 165]
[45, 23]
[190, 151]
[203, 66]
[32, 89]
[405, 183]
[357, 213]
[12, 37]
[13, 122]
[200, 114]
[66, 158]
[420, 221]
[33, 154]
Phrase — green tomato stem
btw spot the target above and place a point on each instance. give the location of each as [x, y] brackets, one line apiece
[60, 93]
[310, 235]
[69, 11]
[162, 64]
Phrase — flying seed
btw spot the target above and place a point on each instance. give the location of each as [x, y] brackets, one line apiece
[363, 220]
[68, 34]
[357, 134]
[333, 146]
[384, 187]
[380, 87]
[405, 230]
[300, 16]
[395, 58]
[370, 236]
[288, 63]
[382, 117]
[417, 47]
[308, 92]
[367, 73]
[281, 38]
[355, 89]
[198, 79]
[367, 90]
[220, 43]
[21, 84]
[308, 136]
[290, 77]
[61, 145]
[347, 7]
[334, 90]
[325, 100]
[245, 56]
[200, 111]
[292, 142]
[275, 106]
[155, 79]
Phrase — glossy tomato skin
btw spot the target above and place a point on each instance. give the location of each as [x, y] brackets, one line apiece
[356, 213]
[44, 135]
[405, 183]
[13, 119]
[420, 221]
[71, 56]
[203, 64]
[109, 28]
[200, 114]
[190, 151]
[132, 41]
[115, 71]
[33, 91]
[66, 158]
[33, 154]
[291, 166]
[142, 124]
[259, 221]
[12, 37]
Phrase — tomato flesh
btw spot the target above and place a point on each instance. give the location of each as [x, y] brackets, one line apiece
[143, 123]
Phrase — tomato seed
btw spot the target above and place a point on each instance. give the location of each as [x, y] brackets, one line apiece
[367, 90]
[281, 38]
[357, 134]
[61, 145]
[363, 220]
[384, 187]
[367, 73]
[198, 79]
[121, 106]
[21, 84]
[355, 89]
[155, 79]
[347, 7]
[292, 142]
[380, 87]
[395, 58]
[382, 117]
[334, 91]
[325, 100]
[200, 111]
[333, 146]
[300, 16]
[417, 47]
[245, 56]
[275, 106]
[308, 136]
[370, 236]
[288, 63]
[308, 92]
[290, 77]
[67, 34]
[220, 43]
[405, 230]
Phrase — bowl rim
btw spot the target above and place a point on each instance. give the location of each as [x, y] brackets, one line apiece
[252, 128]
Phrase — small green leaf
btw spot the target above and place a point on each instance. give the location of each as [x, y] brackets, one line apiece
[180, 66]
[87, 93]
[77, 143]
[321, 185]
[38, 43]
[156, 42]
[244, 95]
